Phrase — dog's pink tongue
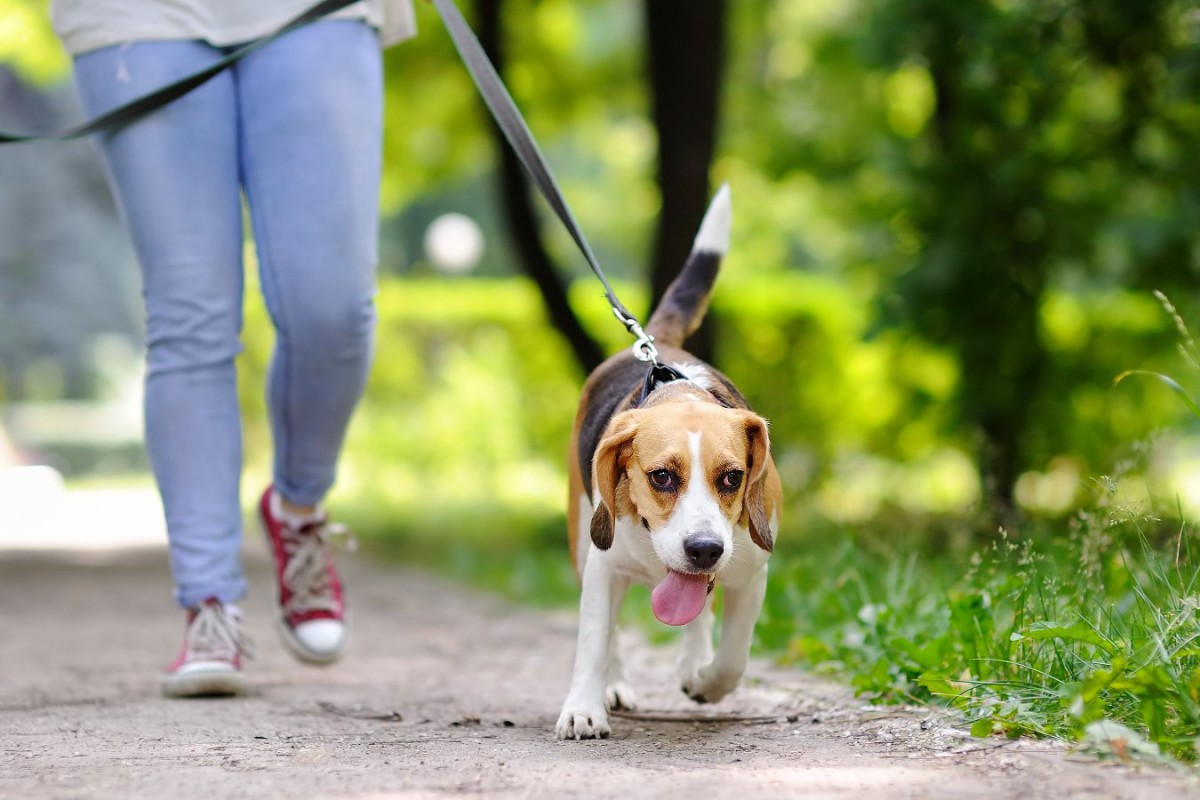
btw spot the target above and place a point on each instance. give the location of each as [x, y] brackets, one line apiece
[678, 599]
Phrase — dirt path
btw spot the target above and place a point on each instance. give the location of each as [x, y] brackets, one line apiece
[446, 692]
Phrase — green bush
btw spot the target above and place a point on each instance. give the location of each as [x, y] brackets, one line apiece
[472, 395]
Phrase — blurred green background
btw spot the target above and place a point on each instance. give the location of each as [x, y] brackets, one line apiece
[950, 217]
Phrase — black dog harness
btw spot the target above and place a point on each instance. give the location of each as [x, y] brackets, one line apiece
[656, 376]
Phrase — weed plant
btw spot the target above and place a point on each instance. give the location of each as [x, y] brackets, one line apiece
[1042, 633]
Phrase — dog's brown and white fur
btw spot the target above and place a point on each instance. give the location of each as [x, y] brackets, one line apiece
[674, 489]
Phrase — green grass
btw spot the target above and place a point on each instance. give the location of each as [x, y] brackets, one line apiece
[1046, 631]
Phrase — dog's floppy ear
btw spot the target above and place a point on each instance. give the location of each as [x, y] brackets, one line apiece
[758, 455]
[608, 465]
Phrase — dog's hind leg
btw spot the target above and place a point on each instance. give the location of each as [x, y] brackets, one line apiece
[619, 693]
[719, 677]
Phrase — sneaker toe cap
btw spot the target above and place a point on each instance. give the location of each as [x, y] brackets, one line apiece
[322, 637]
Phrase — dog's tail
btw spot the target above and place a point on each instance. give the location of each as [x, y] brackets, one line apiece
[682, 307]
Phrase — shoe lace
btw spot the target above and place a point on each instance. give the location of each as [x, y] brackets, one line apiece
[307, 572]
[215, 634]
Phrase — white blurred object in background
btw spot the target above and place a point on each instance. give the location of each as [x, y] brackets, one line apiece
[454, 243]
[41, 513]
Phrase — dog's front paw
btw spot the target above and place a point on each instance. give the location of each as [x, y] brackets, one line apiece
[578, 722]
[709, 685]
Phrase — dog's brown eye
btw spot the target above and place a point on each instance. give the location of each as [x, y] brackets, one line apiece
[730, 481]
[663, 480]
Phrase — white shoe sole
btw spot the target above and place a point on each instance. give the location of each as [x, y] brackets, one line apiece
[204, 683]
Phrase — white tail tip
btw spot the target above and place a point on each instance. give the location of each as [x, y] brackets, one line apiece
[714, 229]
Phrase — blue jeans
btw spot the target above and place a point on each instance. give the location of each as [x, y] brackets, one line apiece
[296, 127]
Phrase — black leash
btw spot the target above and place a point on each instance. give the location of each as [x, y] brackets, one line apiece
[509, 118]
[140, 107]
[497, 98]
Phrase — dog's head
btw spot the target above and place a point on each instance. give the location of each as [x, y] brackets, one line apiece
[689, 472]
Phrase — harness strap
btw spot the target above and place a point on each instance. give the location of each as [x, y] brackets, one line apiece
[656, 376]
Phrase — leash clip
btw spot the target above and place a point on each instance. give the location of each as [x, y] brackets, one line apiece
[643, 348]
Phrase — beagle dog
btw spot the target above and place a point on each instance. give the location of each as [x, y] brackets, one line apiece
[672, 485]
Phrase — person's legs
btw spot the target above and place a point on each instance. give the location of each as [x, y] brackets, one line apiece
[175, 175]
[311, 127]
[311, 130]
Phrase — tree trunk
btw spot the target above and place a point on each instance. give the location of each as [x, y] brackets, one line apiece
[685, 44]
[521, 218]
[685, 56]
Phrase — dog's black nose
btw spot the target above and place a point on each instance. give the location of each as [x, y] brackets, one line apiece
[703, 552]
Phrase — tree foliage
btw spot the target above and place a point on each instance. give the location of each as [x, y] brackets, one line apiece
[994, 186]
[976, 156]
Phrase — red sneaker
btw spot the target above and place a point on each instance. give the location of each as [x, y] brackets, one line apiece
[210, 664]
[311, 609]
